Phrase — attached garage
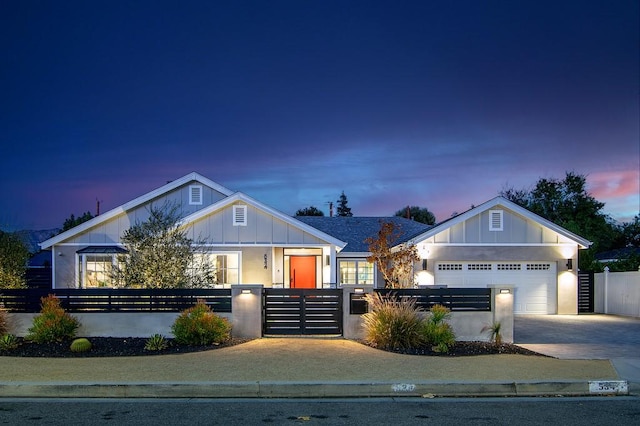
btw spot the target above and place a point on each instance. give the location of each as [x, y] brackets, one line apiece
[535, 283]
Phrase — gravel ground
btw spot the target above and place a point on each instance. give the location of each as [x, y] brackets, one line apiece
[114, 347]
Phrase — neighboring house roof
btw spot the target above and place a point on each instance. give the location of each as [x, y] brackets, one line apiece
[239, 196]
[495, 202]
[133, 204]
[618, 254]
[355, 230]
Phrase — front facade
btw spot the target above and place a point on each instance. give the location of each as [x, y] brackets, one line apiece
[248, 242]
[495, 244]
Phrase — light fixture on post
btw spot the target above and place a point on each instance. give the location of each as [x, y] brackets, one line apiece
[569, 264]
[246, 291]
[358, 290]
[424, 264]
[505, 291]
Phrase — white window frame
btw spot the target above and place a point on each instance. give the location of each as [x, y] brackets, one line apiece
[192, 200]
[496, 220]
[357, 262]
[240, 215]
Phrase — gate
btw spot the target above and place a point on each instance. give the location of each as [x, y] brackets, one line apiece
[302, 311]
[585, 292]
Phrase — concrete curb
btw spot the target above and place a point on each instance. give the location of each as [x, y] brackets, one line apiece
[279, 389]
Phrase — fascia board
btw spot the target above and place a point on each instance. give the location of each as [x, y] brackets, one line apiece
[239, 196]
[133, 204]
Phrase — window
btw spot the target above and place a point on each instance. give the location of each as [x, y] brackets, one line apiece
[195, 195]
[450, 267]
[239, 215]
[358, 272]
[538, 266]
[96, 270]
[224, 268]
[479, 267]
[509, 267]
[495, 220]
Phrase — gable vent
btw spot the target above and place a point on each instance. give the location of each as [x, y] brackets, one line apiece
[495, 220]
[195, 194]
[239, 215]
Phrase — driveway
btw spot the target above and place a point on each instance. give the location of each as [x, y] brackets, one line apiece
[591, 336]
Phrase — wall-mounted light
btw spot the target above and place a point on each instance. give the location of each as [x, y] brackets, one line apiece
[424, 264]
[569, 264]
[505, 291]
[246, 291]
[327, 260]
[358, 290]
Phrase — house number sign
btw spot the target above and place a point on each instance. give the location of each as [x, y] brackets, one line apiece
[609, 387]
[265, 261]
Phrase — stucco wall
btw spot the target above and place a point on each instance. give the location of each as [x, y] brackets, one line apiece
[618, 293]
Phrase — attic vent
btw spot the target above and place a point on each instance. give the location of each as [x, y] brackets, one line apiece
[195, 194]
[495, 220]
[239, 215]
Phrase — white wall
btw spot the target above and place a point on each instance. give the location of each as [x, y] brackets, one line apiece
[617, 293]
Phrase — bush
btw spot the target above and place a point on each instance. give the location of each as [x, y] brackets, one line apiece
[436, 331]
[392, 323]
[8, 342]
[53, 324]
[199, 326]
[495, 333]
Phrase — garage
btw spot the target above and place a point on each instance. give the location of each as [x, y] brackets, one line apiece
[535, 284]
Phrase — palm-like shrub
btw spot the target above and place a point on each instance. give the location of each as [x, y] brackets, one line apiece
[392, 322]
[199, 326]
[53, 324]
[436, 331]
[495, 333]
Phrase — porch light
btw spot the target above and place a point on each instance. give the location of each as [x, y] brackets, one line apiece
[246, 291]
[569, 264]
[505, 291]
[424, 264]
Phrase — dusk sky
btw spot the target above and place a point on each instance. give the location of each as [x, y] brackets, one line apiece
[439, 104]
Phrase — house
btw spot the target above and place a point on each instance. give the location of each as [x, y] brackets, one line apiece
[497, 243]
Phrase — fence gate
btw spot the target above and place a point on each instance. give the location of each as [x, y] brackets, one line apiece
[302, 311]
[585, 292]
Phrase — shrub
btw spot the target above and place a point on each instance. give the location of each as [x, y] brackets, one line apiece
[53, 324]
[495, 334]
[80, 345]
[392, 322]
[4, 327]
[199, 326]
[8, 342]
[157, 342]
[436, 331]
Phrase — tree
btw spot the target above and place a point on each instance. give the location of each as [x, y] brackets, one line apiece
[160, 255]
[309, 211]
[342, 209]
[395, 264]
[14, 256]
[567, 203]
[419, 214]
[72, 221]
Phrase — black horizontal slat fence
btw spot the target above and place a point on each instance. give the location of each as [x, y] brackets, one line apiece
[456, 299]
[116, 300]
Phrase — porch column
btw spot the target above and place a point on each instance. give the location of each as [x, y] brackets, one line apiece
[246, 309]
[502, 307]
[351, 317]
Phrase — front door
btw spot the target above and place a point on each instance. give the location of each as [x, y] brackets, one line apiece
[302, 272]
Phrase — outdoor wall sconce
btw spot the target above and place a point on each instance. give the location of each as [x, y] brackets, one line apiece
[246, 291]
[505, 291]
[424, 264]
[327, 260]
[569, 264]
[358, 290]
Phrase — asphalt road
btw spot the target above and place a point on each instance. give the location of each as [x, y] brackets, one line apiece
[404, 411]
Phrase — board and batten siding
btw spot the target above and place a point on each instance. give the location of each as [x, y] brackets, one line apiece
[261, 229]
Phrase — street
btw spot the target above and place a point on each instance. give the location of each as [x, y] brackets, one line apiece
[402, 411]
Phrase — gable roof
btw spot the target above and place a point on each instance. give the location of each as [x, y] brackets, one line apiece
[355, 230]
[501, 201]
[170, 186]
[239, 196]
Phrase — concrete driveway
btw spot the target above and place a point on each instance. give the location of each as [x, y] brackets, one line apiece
[591, 336]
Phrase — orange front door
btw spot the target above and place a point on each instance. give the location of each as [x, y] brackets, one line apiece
[302, 271]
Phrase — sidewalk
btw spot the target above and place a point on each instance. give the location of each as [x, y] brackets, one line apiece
[303, 367]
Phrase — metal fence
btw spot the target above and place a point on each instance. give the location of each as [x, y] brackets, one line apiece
[116, 300]
[456, 299]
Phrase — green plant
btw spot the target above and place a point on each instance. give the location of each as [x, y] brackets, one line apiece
[436, 331]
[80, 345]
[157, 342]
[495, 333]
[8, 342]
[392, 322]
[4, 327]
[53, 324]
[198, 325]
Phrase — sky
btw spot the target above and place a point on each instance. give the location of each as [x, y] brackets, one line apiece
[438, 104]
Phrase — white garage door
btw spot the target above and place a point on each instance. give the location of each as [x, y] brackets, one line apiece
[534, 282]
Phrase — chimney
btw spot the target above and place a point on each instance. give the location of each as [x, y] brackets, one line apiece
[330, 208]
